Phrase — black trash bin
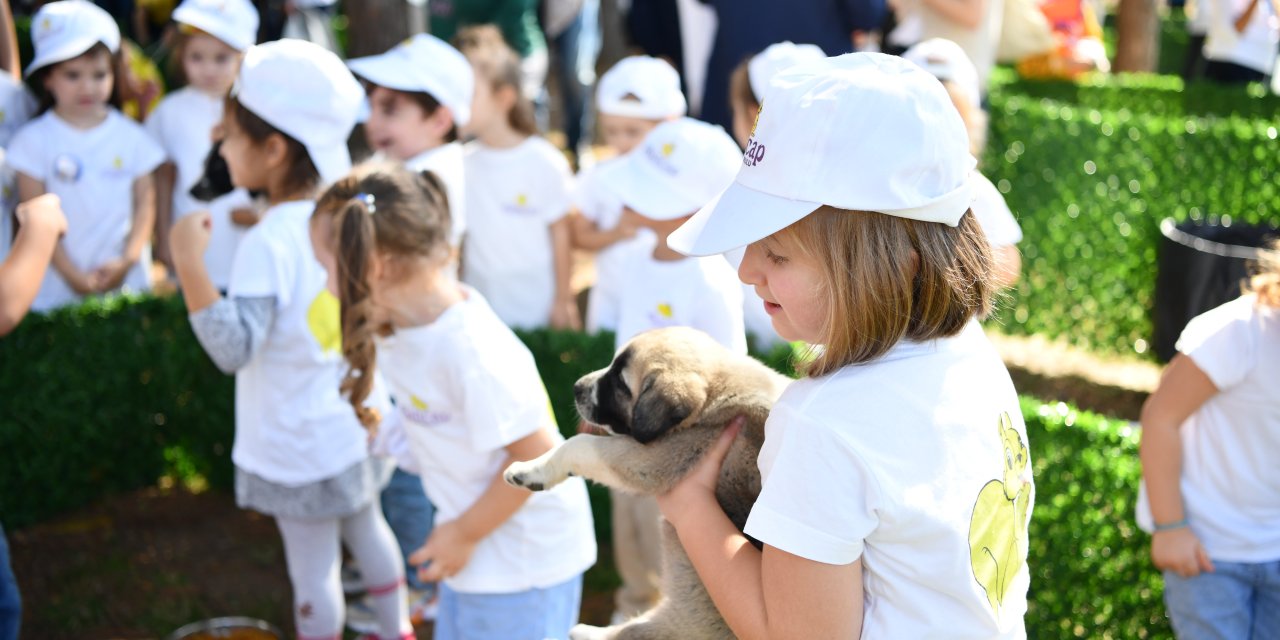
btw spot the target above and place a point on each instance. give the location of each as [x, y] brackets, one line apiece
[1199, 266]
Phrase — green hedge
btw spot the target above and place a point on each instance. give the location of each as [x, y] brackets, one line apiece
[110, 396]
[1145, 94]
[1090, 187]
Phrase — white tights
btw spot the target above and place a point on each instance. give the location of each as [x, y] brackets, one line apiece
[313, 553]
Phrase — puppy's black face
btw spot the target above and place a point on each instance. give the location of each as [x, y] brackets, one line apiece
[654, 385]
[604, 398]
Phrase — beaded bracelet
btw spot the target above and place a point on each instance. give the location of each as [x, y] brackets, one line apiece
[1171, 526]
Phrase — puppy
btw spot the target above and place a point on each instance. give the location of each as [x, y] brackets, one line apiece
[665, 399]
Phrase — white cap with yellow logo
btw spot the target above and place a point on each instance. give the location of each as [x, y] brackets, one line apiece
[681, 166]
[423, 64]
[861, 131]
[63, 30]
[234, 22]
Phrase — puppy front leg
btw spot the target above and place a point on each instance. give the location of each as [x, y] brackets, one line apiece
[596, 458]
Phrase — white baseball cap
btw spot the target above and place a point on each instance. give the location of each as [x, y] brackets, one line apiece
[776, 58]
[63, 30]
[641, 87]
[681, 166]
[947, 61]
[861, 131]
[305, 91]
[426, 64]
[234, 22]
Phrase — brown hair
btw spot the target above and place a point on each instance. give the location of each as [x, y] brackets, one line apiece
[44, 99]
[496, 62]
[302, 174]
[1265, 284]
[740, 86]
[888, 278]
[392, 212]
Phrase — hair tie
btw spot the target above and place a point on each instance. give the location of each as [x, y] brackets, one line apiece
[369, 201]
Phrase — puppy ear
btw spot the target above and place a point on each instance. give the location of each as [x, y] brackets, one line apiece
[663, 403]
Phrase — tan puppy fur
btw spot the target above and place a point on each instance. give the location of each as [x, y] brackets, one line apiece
[666, 398]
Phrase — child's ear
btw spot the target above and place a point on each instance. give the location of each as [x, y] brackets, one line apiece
[440, 122]
[275, 150]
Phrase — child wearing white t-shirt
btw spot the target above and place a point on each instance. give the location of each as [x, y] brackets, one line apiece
[16, 106]
[301, 454]
[634, 96]
[509, 562]
[517, 251]
[680, 167]
[82, 149]
[896, 486]
[1212, 487]
[419, 96]
[213, 35]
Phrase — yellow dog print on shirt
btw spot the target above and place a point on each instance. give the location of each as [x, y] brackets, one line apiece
[998, 528]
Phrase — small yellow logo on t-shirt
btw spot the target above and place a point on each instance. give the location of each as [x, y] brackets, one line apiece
[2, 116]
[668, 149]
[664, 310]
[418, 403]
[324, 319]
[117, 163]
[522, 200]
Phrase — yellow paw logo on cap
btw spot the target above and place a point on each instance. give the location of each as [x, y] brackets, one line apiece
[664, 310]
[756, 123]
[668, 149]
[418, 403]
[324, 319]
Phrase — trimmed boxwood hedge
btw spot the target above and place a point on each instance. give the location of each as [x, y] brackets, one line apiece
[112, 395]
[1089, 188]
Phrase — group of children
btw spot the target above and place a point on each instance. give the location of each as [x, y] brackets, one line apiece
[367, 316]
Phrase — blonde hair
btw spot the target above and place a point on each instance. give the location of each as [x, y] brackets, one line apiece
[391, 212]
[497, 63]
[888, 278]
[1265, 284]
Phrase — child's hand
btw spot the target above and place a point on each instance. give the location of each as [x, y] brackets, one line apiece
[564, 314]
[691, 495]
[628, 224]
[42, 212]
[190, 236]
[110, 274]
[446, 552]
[245, 216]
[80, 282]
[1180, 551]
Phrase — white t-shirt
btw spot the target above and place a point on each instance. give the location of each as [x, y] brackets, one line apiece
[92, 171]
[979, 44]
[16, 107]
[1230, 479]
[993, 213]
[466, 387]
[604, 208]
[293, 427]
[513, 197]
[446, 161]
[916, 463]
[181, 125]
[1255, 48]
[702, 293]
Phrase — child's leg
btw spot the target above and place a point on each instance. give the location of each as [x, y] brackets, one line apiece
[312, 552]
[371, 542]
[1211, 605]
[1266, 602]
[536, 614]
[410, 516]
[637, 551]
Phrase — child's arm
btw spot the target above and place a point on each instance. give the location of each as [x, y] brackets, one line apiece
[449, 548]
[166, 176]
[188, 241]
[1183, 389]
[78, 280]
[588, 235]
[40, 224]
[564, 309]
[111, 274]
[769, 594]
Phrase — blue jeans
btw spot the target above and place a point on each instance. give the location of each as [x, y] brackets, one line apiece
[10, 602]
[410, 515]
[1238, 601]
[574, 56]
[536, 614]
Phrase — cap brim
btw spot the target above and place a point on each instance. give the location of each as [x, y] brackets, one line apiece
[387, 71]
[736, 218]
[67, 51]
[216, 28]
[642, 190]
[332, 162]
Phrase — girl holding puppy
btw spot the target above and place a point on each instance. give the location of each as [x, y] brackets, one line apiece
[896, 484]
[471, 401]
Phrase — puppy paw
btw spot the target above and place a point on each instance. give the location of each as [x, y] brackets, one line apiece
[587, 632]
[534, 475]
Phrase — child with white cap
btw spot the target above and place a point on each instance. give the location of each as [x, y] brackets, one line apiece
[517, 253]
[896, 487]
[951, 66]
[81, 148]
[419, 96]
[212, 37]
[680, 166]
[301, 454]
[634, 96]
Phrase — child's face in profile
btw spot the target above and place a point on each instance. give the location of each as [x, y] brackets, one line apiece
[209, 64]
[81, 86]
[623, 133]
[399, 127]
[791, 285]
